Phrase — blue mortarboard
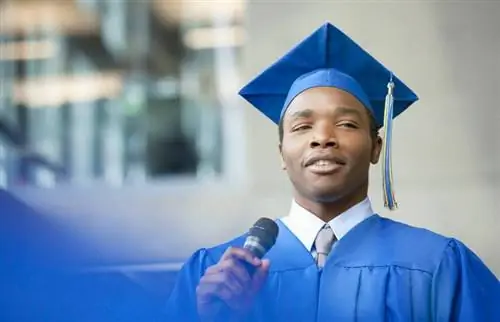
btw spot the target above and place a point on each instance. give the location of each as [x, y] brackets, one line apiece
[329, 58]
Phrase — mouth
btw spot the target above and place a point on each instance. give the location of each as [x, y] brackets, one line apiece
[324, 164]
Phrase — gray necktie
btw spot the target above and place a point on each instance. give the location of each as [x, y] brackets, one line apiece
[323, 244]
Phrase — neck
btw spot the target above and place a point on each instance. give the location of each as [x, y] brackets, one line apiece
[327, 210]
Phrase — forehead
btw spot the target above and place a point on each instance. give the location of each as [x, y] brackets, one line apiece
[324, 99]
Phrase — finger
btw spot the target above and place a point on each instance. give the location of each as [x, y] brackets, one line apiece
[212, 284]
[242, 254]
[226, 280]
[212, 270]
[260, 275]
[237, 270]
[207, 293]
[208, 285]
[232, 266]
[226, 295]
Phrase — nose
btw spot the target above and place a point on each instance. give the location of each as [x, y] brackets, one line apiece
[324, 137]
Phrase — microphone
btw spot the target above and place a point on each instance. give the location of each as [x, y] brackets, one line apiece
[261, 238]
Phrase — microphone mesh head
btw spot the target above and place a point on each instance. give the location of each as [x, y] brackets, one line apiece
[266, 231]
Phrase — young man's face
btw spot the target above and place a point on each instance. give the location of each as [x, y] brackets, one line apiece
[327, 144]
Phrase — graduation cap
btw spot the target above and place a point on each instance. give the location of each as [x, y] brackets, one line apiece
[329, 58]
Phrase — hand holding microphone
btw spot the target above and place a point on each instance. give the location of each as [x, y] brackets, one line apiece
[239, 274]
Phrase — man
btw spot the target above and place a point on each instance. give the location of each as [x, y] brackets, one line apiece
[334, 258]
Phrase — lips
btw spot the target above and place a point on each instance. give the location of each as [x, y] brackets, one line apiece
[324, 164]
[323, 160]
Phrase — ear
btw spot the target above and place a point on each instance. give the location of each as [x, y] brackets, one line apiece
[283, 164]
[376, 149]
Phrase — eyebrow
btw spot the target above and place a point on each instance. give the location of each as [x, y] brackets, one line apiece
[342, 110]
[302, 114]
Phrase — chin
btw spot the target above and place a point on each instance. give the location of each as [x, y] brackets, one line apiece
[323, 190]
[327, 195]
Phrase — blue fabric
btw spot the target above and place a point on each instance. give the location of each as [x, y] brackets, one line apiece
[40, 277]
[381, 270]
[326, 58]
[327, 78]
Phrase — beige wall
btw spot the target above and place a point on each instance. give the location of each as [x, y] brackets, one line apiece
[446, 147]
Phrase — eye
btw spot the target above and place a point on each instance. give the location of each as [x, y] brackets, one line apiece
[348, 124]
[301, 127]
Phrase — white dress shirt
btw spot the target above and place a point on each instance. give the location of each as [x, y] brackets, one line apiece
[305, 225]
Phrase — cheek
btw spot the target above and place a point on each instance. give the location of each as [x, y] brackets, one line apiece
[290, 162]
[359, 151]
[291, 158]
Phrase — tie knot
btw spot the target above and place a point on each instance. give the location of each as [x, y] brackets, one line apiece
[324, 240]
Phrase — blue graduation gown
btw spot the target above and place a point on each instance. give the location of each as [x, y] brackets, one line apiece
[382, 270]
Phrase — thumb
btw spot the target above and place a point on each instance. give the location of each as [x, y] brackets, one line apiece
[260, 275]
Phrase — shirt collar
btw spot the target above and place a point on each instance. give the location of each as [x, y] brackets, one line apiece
[305, 225]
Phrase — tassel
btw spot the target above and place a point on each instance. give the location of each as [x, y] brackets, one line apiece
[387, 179]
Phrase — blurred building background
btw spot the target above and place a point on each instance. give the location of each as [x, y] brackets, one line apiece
[116, 91]
[120, 120]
